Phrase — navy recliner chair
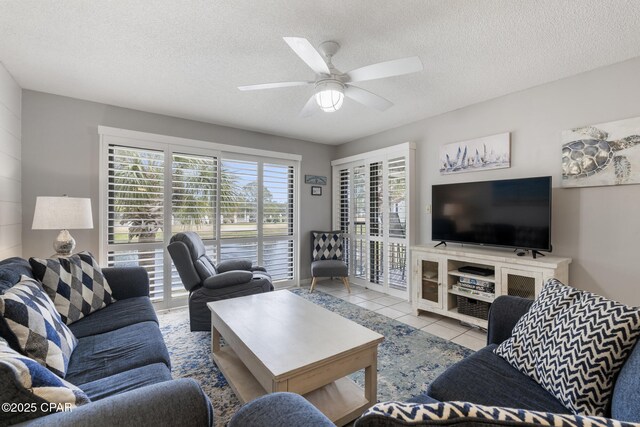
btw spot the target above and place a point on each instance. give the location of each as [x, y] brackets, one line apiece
[208, 282]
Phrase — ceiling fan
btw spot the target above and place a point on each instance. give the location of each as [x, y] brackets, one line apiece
[332, 85]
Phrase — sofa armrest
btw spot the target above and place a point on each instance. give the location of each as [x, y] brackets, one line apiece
[504, 313]
[228, 278]
[170, 403]
[127, 282]
[279, 410]
[258, 268]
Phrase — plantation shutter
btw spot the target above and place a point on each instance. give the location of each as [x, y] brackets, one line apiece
[241, 206]
[372, 209]
[397, 207]
[344, 218]
[278, 217]
[239, 210]
[360, 222]
[194, 189]
[135, 212]
[376, 223]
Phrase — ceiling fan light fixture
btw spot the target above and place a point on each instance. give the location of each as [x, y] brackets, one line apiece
[329, 95]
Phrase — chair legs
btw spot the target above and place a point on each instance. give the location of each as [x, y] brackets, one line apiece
[345, 280]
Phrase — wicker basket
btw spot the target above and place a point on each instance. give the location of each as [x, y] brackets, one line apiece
[473, 307]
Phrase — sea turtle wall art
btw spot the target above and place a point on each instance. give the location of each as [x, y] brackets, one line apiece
[602, 154]
[489, 152]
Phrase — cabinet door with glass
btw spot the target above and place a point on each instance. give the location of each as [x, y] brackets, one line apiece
[428, 274]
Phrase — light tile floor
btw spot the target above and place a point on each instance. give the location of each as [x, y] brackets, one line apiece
[400, 310]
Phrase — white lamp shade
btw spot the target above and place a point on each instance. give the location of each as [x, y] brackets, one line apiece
[62, 213]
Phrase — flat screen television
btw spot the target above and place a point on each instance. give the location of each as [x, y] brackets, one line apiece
[512, 213]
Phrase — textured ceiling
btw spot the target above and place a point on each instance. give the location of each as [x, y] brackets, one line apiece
[185, 58]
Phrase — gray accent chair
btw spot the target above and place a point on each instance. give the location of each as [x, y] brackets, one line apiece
[208, 282]
[326, 261]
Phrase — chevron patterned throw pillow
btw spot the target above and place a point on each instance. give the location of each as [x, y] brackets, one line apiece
[470, 414]
[75, 284]
[573, 343]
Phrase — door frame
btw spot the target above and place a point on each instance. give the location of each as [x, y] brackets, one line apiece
[406, 150]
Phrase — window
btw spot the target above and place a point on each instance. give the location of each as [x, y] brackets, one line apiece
[242, 207]
[194, 190]
[135, 212]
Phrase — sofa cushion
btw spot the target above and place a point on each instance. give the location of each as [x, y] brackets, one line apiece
[573, 343]
[115, 316]
[487, 379]
[30, 385]
[30, 323]
[329, 268]
[127, 380]
[103, 355]
[327, 245]
[626, 392]
[390, 414]
[10, 271]
[75, 284]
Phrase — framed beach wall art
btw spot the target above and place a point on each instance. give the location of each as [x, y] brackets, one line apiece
[602, 154]
[315, 179]
[489, 152]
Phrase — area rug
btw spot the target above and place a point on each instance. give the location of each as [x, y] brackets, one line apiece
[408, 358]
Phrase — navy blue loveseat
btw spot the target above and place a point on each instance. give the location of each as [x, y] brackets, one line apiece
[121, 362]
[482, 378]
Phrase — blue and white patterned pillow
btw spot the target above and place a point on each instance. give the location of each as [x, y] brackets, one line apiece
[32, 377]
[31, 321]
[75, 284]
[573, 343]
[327, 245]
[465, 413]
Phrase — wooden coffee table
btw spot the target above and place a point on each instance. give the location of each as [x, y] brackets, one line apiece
[278, 341]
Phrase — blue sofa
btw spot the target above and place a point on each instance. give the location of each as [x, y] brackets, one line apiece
[121, 362]
[482, 378]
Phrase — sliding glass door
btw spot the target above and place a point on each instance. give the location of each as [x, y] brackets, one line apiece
[242, 208]
[371, 208]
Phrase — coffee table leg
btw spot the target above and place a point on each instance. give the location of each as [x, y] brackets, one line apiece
[371, 381]
[215, 339]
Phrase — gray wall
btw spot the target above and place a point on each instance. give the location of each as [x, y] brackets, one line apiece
[598, 227]
[60, 156]
[10, 176]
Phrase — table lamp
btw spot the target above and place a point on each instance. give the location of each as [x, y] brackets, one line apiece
[62, 213]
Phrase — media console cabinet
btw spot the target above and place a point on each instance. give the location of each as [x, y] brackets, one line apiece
[436, 287]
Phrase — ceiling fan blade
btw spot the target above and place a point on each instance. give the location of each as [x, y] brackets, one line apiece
[308, 54]
[397, 67]
[367, 98]
[310, 108]
[273, 85]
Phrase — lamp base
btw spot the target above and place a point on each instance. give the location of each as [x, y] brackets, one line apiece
[64, 244]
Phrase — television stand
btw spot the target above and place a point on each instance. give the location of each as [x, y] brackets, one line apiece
[441, 243]
[439, 283]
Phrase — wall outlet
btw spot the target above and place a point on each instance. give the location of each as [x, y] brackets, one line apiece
[428, 209]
